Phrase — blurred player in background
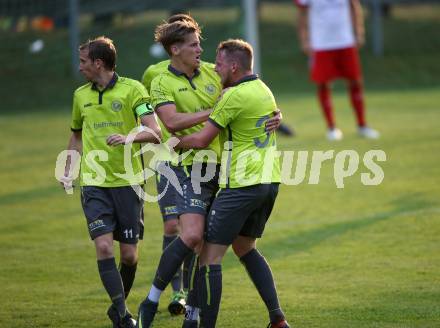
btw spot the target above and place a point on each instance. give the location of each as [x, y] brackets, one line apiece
[330, 32]
[105, 111]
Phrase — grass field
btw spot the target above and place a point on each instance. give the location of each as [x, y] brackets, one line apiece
[354, 257]
[362, 256]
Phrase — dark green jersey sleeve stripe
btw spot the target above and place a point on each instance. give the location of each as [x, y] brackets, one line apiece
[163, 104]
[210, 120]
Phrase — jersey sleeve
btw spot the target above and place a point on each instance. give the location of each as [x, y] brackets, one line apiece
[161, 93]
[77, 120]
[224, 111]
[140, 102]
[146, 78]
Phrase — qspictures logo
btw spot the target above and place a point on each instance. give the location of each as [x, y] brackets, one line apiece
[295, 167]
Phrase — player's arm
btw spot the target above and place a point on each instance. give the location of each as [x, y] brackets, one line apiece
[201, 139]
[153, 133]
[75, 145]
[357, 17]
[303, 28]
[175, 121]
[148, 132]
[146, 79]
[75, 141]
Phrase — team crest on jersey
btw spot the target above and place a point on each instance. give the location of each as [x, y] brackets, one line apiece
[116, 105]
[210, 88]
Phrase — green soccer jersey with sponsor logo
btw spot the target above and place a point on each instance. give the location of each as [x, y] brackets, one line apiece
[189, 96]
[98, 114]
[249, 155]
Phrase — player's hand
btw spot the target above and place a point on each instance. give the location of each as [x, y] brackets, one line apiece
[67, 184]
[274, 122]
[116, 139]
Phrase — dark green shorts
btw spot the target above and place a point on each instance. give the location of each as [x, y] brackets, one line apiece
[118, 210]
[167, 195]
[198, 194]
[240, 211]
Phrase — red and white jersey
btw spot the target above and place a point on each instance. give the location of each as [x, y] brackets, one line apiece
[330, 24]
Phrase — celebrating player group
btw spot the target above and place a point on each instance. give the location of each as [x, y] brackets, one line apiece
[217, 109]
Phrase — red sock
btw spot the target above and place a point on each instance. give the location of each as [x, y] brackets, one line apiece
[357, 101]
[326, 104]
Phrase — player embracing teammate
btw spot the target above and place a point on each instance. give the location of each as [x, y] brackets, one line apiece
[242, 114]
[183, 97]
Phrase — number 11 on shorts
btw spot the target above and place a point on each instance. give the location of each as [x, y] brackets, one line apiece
[128, 233]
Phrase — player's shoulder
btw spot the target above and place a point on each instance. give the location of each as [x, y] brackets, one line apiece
[83, 88]
[245, 89]
[163, 65]
[230, 96]
[131, 83]
[164, 78]
[207, 65]
[156, 68]
[257, 88]
[128, 81]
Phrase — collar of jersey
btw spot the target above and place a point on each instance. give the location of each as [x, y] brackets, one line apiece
[110, 85]
[179, 73]
[247, 78]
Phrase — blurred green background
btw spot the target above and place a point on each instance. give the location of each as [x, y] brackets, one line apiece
[361, 256]
[43, 80]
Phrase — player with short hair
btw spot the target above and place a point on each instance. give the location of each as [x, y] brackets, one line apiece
[105, 112]
[243, 205]
[183, 96]
[167, 203]
[330, 33]
[154, 70]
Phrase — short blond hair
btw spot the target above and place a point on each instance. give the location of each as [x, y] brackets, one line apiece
[169, 34]
[238, 49]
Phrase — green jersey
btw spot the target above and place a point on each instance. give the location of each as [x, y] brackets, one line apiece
[100, 113]
[152, 71]
[249, 152]
[189, 95]
[163, 152]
